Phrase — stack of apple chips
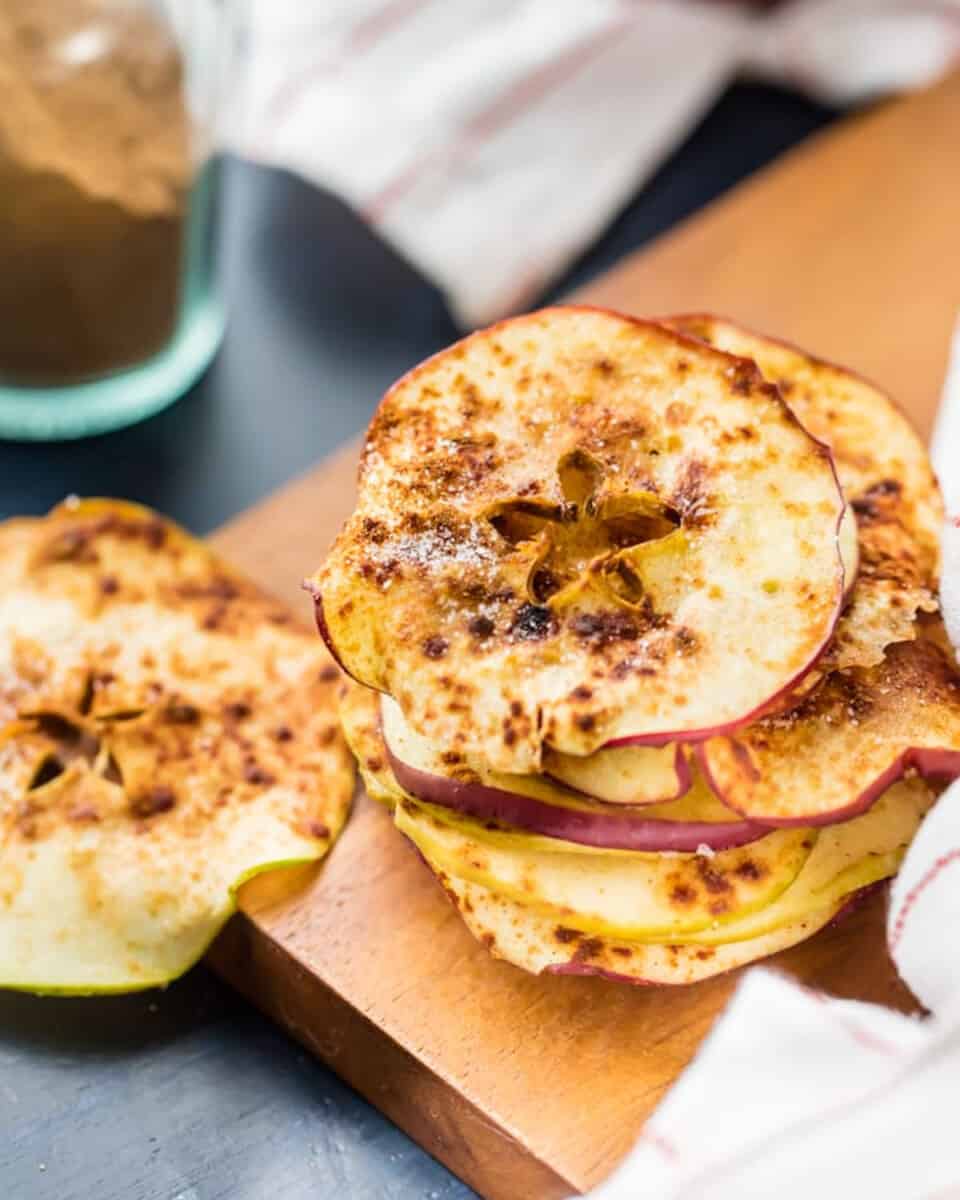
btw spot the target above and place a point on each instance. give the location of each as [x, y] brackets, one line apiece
[641, 627]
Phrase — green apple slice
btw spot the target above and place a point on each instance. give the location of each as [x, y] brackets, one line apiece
[846, 858]
[166, 732]
[541, 944]
[634, 896]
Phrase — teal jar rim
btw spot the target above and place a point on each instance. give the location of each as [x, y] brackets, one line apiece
[101, 405]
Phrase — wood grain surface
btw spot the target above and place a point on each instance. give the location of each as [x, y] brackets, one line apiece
[532, 1088]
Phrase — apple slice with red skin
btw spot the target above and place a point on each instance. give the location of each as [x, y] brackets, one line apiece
[552, 811]
[509, 574]
[886, 478]
[846, 743]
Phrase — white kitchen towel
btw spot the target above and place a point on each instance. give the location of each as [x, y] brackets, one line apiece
[946, 461]
[490, 141]
[795, 1094]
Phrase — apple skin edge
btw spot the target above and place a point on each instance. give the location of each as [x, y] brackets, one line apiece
[324, 630]
[772, 703]
[585, 829]
[930, 763]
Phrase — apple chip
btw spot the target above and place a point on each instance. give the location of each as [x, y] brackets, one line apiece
[886, 478]
[846, 743]
[359, 711]
[653, 897]
[549, 812]
[846, 860]
[544, 945]
[565, 525]
[166, 732]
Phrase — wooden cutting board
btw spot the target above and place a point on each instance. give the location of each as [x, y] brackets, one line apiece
[532, 1088]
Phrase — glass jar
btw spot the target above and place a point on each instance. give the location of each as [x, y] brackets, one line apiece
[109, 305]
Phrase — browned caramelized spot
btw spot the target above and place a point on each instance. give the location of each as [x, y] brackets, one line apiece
[683, 894]
[685, 640]
[691, 496]
[329, 674]
[283, 733]
[623, 951]
[744, 377]
[705, 953]
[109, 585]
[435, 646]
[586, 721]
[317, 829]
[582, 692]
[374, 531]
[238, 710]
[182, 714]
[254, 773]
[481, 627]
[159, 799]
[533, 622]
[565, 935]
[877, 502]
[374, 764]
[601, 629]
[488, 940]
[751, 870]
[589, 948]
[214, 618]
[712, 880]
[73, 545]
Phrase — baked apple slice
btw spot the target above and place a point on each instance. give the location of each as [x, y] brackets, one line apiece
[857, 733]
[649, 897]
[886, 477]
[846, 861]
[631, 775]
[574, 528]
[166, 732]
[542, 807]
[543, 945]
[359, 710]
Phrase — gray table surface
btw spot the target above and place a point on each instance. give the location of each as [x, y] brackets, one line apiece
[188, 1093]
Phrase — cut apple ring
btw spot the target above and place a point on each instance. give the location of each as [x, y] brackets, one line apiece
[847, 742]
[885, 474]
[166, 733]
[542, 945]
[565, 526]
[846, 862]
[654, 897]
[551, 812]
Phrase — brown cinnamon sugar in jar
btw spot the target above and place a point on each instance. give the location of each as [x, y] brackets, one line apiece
[95, 174]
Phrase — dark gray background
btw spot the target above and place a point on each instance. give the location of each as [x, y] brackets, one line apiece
[189, 1094]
